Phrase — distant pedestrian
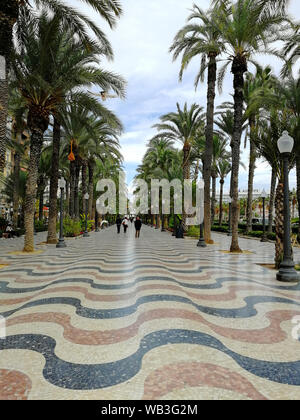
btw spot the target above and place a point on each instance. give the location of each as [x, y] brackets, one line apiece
[125, 224]
[119, 223]
[138, 225]
[10, 232]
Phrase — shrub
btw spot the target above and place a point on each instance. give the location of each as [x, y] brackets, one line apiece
[90, 223]
[40, 226]
[71, 227]
[193, 231]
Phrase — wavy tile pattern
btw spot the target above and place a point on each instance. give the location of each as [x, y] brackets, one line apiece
[114, 317]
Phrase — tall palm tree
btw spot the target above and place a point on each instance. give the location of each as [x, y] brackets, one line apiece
[17, 112]
[86, 131]
[13, 12]
[290, 90]
[201, 38]
[182, 126]
[266, 143]
[247, 28]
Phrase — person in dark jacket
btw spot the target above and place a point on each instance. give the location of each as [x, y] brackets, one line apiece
[138, 225]
[119, 223]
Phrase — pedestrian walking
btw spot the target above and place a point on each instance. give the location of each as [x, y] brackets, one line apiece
[125, 224]
[119, 223]
[138, 225]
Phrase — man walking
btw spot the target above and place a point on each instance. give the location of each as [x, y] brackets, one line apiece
[138, 225]
[119, 223]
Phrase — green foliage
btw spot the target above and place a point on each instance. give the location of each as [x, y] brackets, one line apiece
[90, 223]
[71, 227]
[40, 226]
[193, 231]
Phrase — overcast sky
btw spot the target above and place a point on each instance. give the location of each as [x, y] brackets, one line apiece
[141, 42]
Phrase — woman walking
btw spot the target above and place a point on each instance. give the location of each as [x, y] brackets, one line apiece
[125, 224]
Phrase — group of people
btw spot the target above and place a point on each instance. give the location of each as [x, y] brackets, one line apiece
[125, 223]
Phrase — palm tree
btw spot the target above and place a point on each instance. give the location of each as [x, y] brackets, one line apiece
[182, 126]
[290, 90]
[17, 112]
[266, 143]
[86, 131]
[14, 12]
[291, 50]
[247, 28]
[202, 39]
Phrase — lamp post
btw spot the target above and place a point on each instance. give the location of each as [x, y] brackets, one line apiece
[287, 272]
[264, 196]
[61, 241]
[96, 221]
[163, 216]
[229, 221]
[86, 197]
[201, 243]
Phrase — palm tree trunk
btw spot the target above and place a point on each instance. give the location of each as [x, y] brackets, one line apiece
[213, 198]
[76, 189]
[279, 222]
[52, 235]
[221, 201]
[211, 93]
[72, 190]
[186, 175]
[36, 143]
[83, 184]
[9, 11]
[298, 186]
[239, 67]
[252, 162]
[272, 200]
[16, 193]
[67, 196]
[41, 187]
[91, 187]
[3, 121]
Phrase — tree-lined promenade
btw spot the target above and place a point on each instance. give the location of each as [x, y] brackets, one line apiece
[51, 57]
[226, 38]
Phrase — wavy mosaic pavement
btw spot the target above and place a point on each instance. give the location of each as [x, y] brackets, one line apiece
[112, 317]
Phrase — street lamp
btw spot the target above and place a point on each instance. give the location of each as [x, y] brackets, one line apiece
[287, 272]
[163, 216]
[86, 197]
[96, 221]
[201, 243]
[61, 241]
[264, 196]
[229, 221]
